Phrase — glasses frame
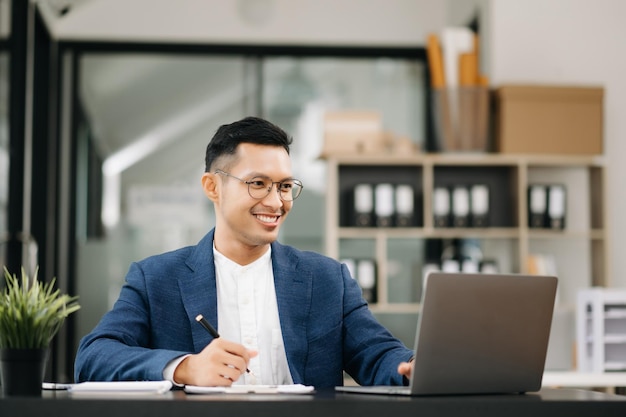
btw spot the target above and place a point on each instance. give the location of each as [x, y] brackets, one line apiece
[269, 190]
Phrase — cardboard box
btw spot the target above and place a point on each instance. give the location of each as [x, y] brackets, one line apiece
[549, 120]
[352, 132]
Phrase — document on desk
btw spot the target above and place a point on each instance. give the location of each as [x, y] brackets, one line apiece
[121, 387]
[252, 389]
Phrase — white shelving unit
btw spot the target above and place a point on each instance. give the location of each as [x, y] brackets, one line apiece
[579, 249]
[601, 330]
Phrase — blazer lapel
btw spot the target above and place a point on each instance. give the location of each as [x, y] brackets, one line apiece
[293, 295]
[199, 292]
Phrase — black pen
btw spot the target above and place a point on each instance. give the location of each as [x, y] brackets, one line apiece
[200, 319]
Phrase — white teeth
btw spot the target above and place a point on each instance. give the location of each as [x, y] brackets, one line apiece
[266, 219]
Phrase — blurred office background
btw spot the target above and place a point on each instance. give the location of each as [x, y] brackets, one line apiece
[115, 101]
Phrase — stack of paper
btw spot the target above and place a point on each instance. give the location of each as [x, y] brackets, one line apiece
[251, 389]
[121, 387]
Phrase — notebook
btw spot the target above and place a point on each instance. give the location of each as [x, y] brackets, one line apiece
[252, 389]
[117, 387]
[479, 334]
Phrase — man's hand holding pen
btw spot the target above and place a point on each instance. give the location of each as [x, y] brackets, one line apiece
[220, 363]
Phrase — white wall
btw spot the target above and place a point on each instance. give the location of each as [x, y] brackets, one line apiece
[572, 42]
[317, 22]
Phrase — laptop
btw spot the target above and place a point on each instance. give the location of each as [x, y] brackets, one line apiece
[479, 334]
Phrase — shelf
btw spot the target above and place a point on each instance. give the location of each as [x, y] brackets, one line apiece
[601, 329]
[469, 159]
[610, 339]
[615, 366]
[428, 233]
[594, 234]
[449, 233]
[616, 339]
[578, 250]
[611, 315]
[615, 314]
[585, 379]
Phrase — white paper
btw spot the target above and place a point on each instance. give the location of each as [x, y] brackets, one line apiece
[454, 42]
[55, 386]
[146, 387]
[252, 389]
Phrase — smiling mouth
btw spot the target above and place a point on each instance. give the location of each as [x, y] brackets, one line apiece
[267, 219]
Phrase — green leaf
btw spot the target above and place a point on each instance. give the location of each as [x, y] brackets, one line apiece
[32, 312]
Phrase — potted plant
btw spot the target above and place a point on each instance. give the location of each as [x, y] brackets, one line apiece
[31, 314]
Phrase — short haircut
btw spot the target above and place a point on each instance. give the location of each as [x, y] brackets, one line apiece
[248, 130]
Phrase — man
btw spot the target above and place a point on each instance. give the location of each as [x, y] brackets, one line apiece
[284, 316]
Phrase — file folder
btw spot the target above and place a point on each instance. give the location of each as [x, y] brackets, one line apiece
[488, 266]
[405, 210]
[556, 206]
[460, 206]
[479, 196]
[366, 277]
[537, 205]
[450, 265]
[441, 207]
[363, 201]
[384, 205]
[469, 266]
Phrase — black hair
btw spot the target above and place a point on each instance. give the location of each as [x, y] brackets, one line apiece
[248, 130]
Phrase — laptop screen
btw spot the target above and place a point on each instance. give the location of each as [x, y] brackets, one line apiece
[483, 333]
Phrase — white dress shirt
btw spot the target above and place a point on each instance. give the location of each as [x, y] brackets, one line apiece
[247, 313]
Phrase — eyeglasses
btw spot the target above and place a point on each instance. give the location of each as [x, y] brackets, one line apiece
[260, 187]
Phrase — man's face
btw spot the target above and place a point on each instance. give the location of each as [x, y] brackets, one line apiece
[242, 219]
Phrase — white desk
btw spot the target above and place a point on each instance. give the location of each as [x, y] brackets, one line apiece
[608, 380]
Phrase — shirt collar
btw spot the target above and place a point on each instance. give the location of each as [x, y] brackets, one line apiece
[224, 261]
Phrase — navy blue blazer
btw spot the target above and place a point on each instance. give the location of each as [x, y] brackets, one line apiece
[326, 325]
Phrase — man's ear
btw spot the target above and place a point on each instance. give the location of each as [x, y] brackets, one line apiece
[209, 185]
